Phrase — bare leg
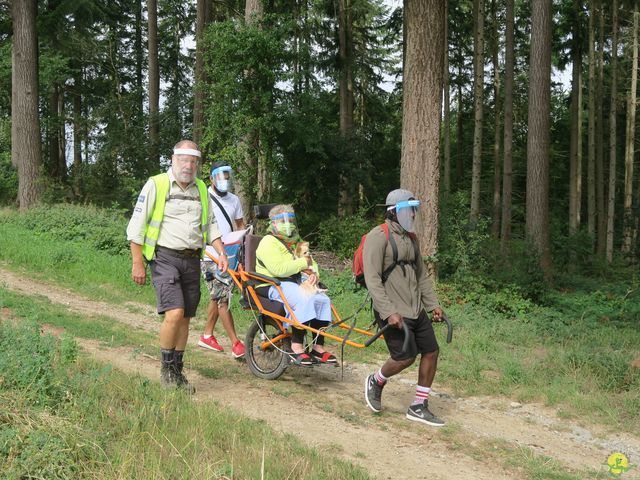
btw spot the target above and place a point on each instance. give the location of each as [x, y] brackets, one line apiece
[427, 368]
[392, 367]
[183, 334]
[212, 317]
[227, 322]
[171, 327]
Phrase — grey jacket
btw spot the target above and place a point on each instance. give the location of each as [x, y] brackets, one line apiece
[405, 292]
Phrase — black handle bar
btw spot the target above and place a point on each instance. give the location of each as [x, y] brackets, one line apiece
[405, 344]
[445, 319]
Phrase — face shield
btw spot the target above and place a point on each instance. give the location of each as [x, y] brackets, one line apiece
[284, 224]
[407, 212]
[221, 178]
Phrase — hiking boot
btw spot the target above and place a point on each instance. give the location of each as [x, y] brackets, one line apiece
[167, 374]
[373, 393]
[237, 350]
[210, 343]
[181, 380]
[421, 413]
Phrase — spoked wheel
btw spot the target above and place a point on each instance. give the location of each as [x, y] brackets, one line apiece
[264, 344]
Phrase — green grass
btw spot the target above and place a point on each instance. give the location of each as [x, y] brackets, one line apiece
[573, 352]
[65, 416]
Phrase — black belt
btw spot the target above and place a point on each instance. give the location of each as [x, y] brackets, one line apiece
[186, 253]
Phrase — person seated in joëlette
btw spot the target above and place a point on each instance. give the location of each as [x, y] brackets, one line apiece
[275, 258]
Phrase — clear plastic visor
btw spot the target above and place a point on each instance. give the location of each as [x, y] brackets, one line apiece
[407, 213]
[284, 224]
[222, 178]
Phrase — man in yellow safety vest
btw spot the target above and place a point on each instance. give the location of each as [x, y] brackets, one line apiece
[172, 223]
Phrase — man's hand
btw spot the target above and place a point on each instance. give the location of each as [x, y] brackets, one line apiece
[223, 262]
[395, 320]
[139, 273]
[437, 314]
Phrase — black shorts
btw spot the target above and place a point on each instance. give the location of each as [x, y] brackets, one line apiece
[423, 338]
[177, 282]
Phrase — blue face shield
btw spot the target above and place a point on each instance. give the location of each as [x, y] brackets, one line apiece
[221, 178]
[284, 224]
[406, 212]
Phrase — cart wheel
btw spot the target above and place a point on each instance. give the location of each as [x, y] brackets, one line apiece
[268, 363]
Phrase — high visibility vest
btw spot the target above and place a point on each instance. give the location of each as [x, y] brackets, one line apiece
[152, 230]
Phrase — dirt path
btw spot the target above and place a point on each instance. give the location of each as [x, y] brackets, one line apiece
[386, 445]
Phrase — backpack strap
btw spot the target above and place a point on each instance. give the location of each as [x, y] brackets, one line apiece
[394, 248]
[224, 212]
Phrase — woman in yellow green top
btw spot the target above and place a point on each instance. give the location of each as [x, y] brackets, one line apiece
[275, 258]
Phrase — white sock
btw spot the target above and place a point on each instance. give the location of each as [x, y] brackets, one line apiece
[380, 378]
[422, 394]
[207, 336]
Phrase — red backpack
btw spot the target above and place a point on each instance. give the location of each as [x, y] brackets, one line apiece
[357, 267]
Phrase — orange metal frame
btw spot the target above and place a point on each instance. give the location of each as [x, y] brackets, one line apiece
[241, 276]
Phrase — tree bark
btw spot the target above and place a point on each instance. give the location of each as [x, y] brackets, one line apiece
[601, 217]
[612, 131]
[537, 216]
[478, 83]
[345, 203]
[495, 225]
[25, 124]
[77, 131]
[507, 180]
[459, 132]
[154, 84]
[139, 53]
[198, 100]
[575, 148]
[447, 106]
[421, 107]
[52, 132]
[591, 155]
[630, 139]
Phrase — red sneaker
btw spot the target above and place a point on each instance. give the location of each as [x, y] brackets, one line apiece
[210, 343]
[237, 350]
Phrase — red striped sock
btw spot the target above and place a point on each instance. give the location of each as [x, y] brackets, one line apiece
[381, 379]
[422, 394]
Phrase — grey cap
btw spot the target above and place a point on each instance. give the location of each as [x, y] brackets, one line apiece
[398, 195]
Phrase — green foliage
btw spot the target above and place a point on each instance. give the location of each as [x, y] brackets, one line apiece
[95, 228]
[342, 235]
[8, 174]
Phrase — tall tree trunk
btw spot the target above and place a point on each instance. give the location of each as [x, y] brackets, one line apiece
[495, 226]
[53, 133]
[601, 217]
[139, 54]
[612, 131]
[537, 217]
[345, 202]
[62, 136]
[507, 179]
[575, 148]
[253, 171]
[459, 133]
[77, 131]
[154, 84]
[478, 74]
[421, 107]
[447, 106]
[25, 124]
[198, 100]
[630, 139]
[591, 156]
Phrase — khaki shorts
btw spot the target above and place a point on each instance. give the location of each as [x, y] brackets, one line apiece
[217, 290]
[176, 281]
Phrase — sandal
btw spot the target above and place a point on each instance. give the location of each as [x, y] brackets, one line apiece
[303, 359]
[324, 357]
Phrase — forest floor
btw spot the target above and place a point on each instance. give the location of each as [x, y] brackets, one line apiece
[485, 437]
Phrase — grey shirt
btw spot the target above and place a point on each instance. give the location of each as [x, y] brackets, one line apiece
[405, 293]
[180, 227]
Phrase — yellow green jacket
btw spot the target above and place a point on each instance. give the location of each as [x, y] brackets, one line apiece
[274, 260]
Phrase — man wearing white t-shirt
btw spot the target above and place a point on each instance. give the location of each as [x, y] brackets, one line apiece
[230, 217]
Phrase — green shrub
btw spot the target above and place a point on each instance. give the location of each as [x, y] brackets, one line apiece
[342, 235]
[93, 227]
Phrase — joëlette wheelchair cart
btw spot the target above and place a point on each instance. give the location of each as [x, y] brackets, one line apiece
[268, 338]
